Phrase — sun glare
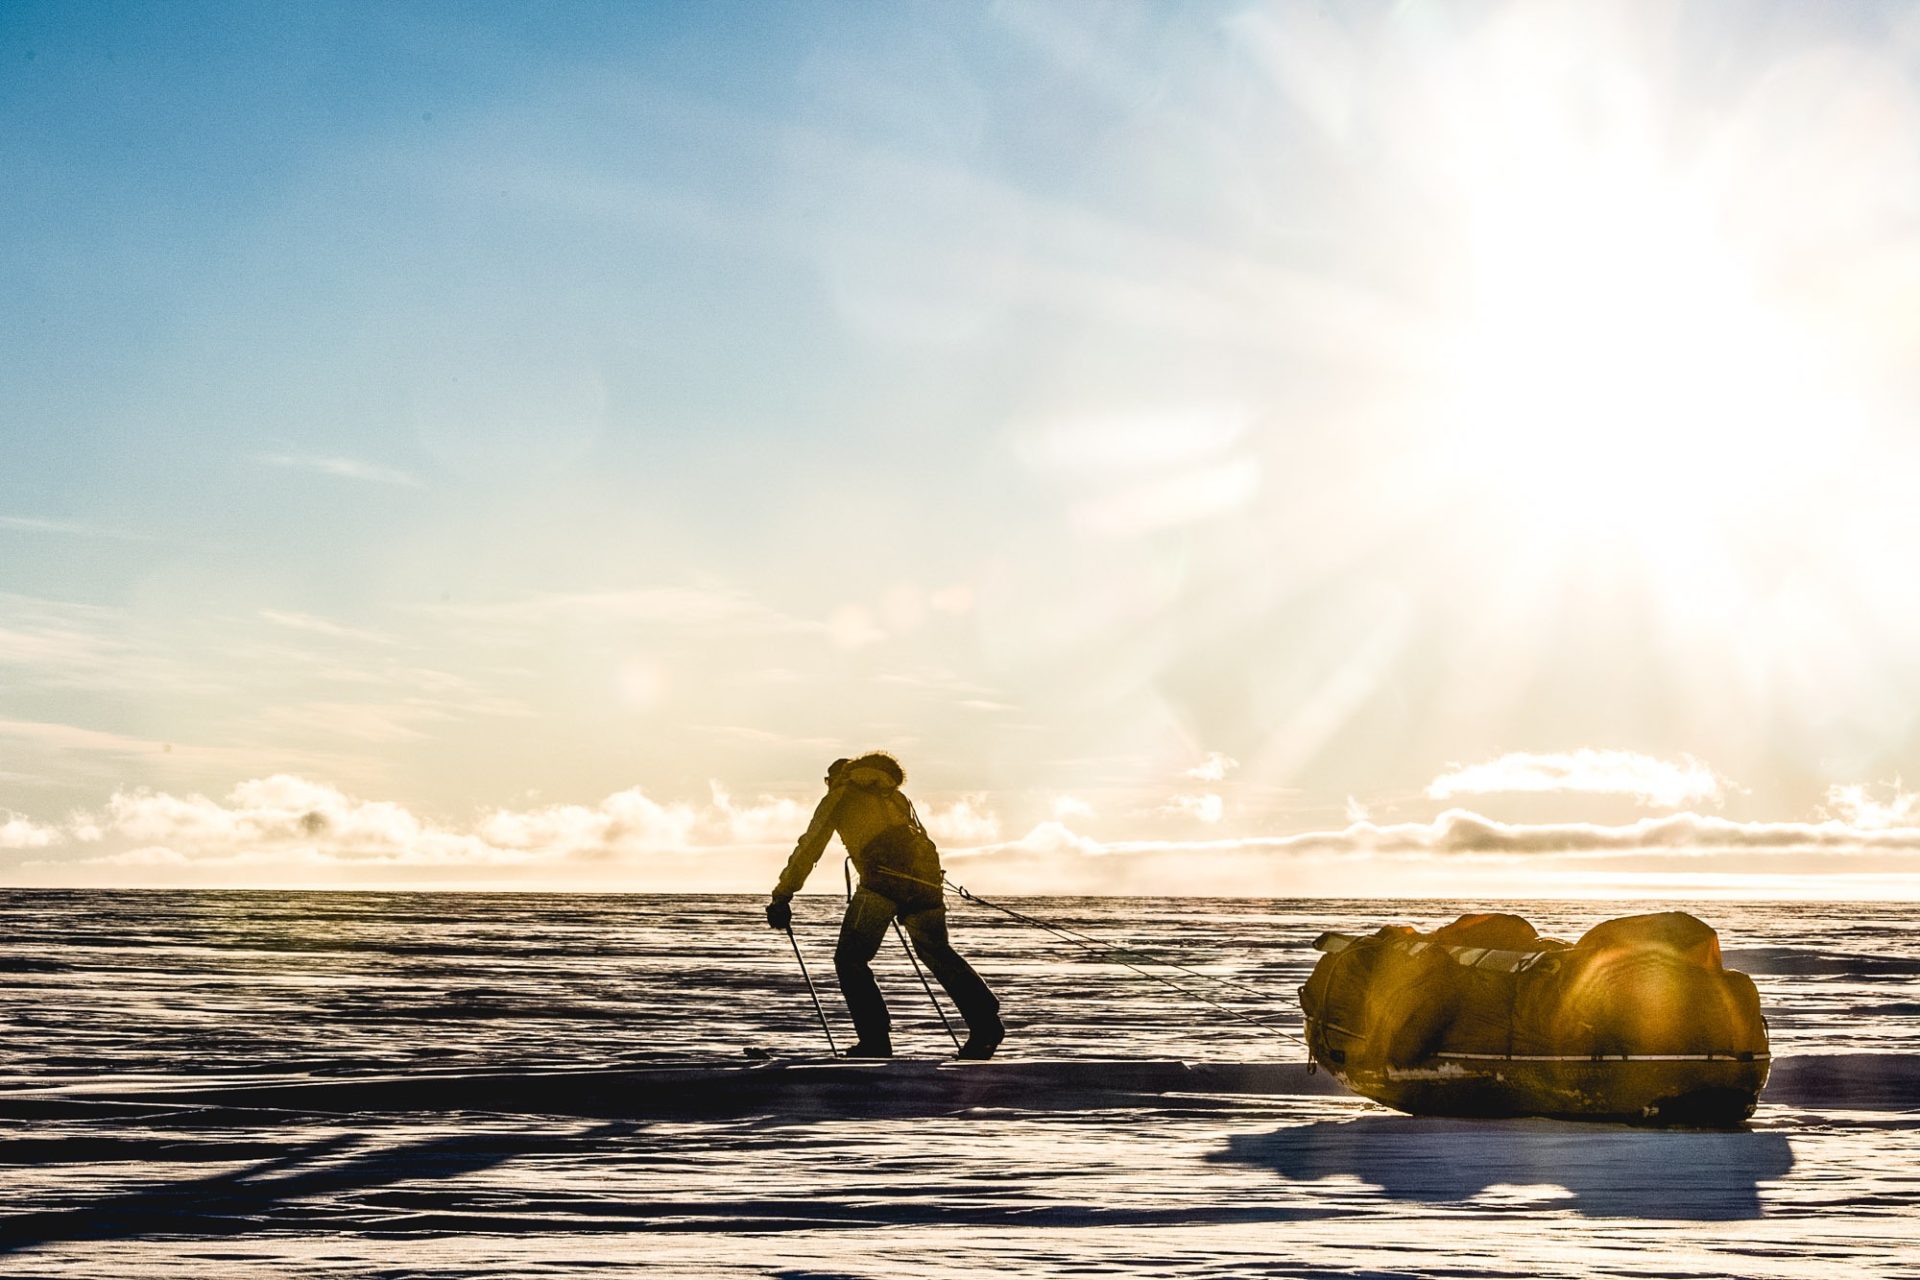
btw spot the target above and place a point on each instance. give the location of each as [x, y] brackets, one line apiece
[1619, 377]
[1620, 374]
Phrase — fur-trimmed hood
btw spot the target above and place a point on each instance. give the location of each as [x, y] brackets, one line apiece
[875, 771]
[872, 777]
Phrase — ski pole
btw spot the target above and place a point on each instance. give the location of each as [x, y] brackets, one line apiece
[915, 962]
[831, 1047]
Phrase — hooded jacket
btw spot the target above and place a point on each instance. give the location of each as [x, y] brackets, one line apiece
[876, 822]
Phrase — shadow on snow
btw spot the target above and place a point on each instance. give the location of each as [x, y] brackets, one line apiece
[243, 1200]
[1608, 1171]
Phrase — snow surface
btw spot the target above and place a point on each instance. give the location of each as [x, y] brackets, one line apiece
[234, 1085]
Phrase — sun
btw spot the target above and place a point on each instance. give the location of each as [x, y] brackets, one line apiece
[1652, 420]
[1617, 372]
[1619, 365]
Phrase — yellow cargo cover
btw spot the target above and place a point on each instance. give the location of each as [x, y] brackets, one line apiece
[1638, 1020]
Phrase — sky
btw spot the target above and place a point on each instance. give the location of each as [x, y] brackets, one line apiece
[1247, 448]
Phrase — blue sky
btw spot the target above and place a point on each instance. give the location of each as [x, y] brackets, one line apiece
[1171, 428]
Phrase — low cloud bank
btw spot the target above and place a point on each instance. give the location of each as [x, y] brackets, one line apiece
[1463, 854]
[1460, 832]
[290, 830]
[284, 828]
[266, 819]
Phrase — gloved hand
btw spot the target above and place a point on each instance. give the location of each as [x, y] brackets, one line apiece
[779, 914]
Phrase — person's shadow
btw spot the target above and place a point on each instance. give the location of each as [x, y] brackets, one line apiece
[1610, 1170]
[241, 1201]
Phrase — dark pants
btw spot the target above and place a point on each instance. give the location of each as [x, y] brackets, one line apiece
[861, 934]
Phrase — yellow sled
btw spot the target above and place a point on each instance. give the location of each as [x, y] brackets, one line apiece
[1637, 1021]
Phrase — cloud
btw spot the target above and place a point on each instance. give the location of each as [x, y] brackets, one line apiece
[1214, 768]
[1207, 807]
[626, 822]
[966, 822]
[1462, 833]
[1856, 804]
[1662, 783]
[1461, 854]
[21, 832]
[1055, 839]
[344, 468]
[286, 818]
[768, 820]
[284, 826]
[275, 810]
[284, 829]
[1065, 807]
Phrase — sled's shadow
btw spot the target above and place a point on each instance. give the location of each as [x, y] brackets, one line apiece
[1608, 1170]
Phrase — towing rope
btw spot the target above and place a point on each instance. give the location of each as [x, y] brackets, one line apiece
[1119, 956]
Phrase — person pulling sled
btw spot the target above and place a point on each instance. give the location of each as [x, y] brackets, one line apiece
[900, 877]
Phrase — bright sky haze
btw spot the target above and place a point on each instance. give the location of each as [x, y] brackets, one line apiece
[1253, 448]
